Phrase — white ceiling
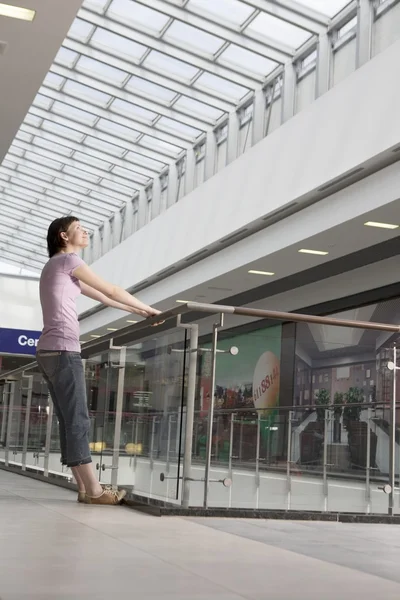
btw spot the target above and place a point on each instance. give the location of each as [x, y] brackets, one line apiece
[135, 84]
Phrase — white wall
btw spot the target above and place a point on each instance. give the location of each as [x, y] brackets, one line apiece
[19, 304]
[377, 190]
[351, 124]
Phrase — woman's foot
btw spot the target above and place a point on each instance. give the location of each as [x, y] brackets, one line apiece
[82, 494]
[108, 497]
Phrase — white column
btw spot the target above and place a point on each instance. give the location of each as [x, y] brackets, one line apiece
[211, 148]
[233, 134]
[172, 185]
[258, 117]
[190, 168]
[364, 32]
[324, 54]
[289, 88]
[142, 209]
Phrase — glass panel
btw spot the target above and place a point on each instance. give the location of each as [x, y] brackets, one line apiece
[246, 446]
[65, 132]
[277, 29]
[48, 145]
[231, 11]
[37, 158]
[163, 147]
[66, 57]
[80, 30]
[54, 81]
[101, 71]
[246, 60]
[37, 424]
[96, 5]
[128, 174]
[81, 174]
[136, 84]
[118, 45]
[145, 161]
[193, 107]
[117, 130]
[327, 7]
[168, 65]
[91, 160]
[185, 35]
[153, 417]
[127, 109]
[84, 92]
[223, 87]
[176, 127]
[129, 11]
[112, 149]
[43, 102]
[75, 114]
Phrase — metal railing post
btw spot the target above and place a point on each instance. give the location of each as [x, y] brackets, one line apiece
[27, 420]
[368, 465]
[118, 416]
[216, 326]
[190, 405]
[49, 430]
[392, 450]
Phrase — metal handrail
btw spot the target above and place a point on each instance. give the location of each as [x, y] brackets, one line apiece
[145, 328]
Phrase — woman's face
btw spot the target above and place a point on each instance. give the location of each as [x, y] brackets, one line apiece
[77, 235]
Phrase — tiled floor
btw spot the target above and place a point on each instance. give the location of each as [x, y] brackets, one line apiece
[52, 548]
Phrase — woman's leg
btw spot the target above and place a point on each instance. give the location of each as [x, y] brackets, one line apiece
[78, 479]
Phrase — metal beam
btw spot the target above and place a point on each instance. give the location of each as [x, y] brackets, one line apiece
[153, 76]
[196, 60]
[21, 190]
[85, 130]
[5, 243]
[102, 154]
[50, 172]
[21, 216]
[73, 162]
[21, 264]
[293, 13]
[56, 188]
[179, 139]
[269, 48]
[201, 122]
[68, 162]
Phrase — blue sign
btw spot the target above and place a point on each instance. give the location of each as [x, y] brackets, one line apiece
[18, 341]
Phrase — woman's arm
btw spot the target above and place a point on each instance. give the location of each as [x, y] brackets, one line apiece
[113, 292]
[99, 297]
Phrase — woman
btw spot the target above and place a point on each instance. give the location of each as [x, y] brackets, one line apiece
[63, 278]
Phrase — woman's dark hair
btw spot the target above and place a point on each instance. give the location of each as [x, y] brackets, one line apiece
[55, 243]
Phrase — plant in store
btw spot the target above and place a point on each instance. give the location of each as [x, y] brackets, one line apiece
[338, 402]
[322, 400]
[353, 397]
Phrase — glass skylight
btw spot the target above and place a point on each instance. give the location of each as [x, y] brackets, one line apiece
[135, 85]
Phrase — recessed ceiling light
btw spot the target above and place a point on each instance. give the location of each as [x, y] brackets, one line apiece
[268, 273]
[381, 225]
[317, 252]
[16, 12]
[95, 336]
[111, 329]
[182, 301]
[131, 321]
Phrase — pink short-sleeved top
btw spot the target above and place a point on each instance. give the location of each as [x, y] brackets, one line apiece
[59, 290]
